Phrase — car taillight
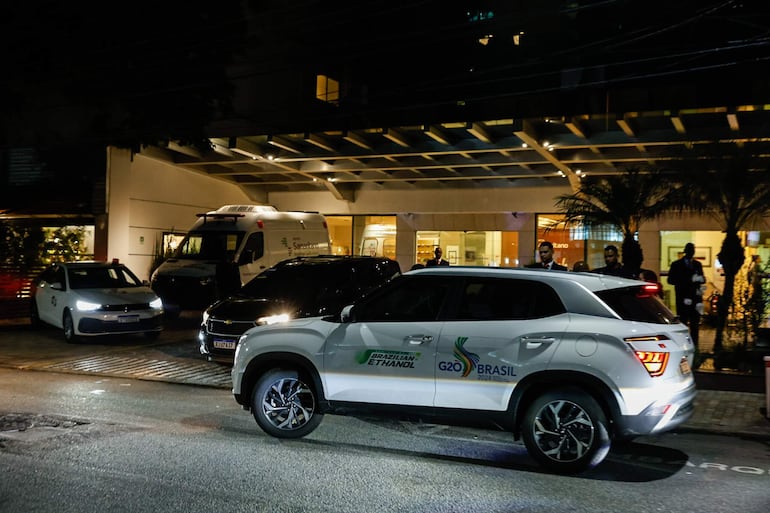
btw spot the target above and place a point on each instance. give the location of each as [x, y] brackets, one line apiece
[654, 361]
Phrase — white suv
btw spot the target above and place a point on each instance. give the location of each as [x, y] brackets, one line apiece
[565, 361]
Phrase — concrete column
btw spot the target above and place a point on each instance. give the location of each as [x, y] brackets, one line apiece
[406, 242]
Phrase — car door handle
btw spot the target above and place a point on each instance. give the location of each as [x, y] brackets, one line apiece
[419, 339]
[535, 342]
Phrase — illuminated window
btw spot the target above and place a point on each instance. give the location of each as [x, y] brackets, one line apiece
[327, 89]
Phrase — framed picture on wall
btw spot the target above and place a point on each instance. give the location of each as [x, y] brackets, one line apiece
[702, 255]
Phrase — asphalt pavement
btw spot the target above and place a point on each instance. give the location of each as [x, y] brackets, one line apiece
[721, 406]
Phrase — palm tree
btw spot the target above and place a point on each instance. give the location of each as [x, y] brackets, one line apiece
[735, 193]
[623, 201]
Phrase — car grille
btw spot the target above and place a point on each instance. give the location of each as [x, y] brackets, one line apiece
[227, 327]
[95, 326]
[125, 308]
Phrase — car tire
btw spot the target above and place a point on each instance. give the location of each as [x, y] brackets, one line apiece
[284, 405]
[69, 328]
[566, 431]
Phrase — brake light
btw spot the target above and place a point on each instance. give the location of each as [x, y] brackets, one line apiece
[654, 361]
[648, 290]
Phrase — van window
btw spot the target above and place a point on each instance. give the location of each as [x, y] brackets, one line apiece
[209, 245]
[254, 248]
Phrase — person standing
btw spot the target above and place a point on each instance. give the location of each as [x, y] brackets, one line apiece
[545, 249]
[686, 275]
[612, 265]
[437, 260]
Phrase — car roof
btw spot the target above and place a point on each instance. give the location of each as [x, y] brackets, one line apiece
[591, 281]
[90, 263]
[330, 260]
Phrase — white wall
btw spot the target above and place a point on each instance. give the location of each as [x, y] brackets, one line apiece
[146, 197]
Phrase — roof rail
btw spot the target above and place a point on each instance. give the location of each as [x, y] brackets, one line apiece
[216, 215]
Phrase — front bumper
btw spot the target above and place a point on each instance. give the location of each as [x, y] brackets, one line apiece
[218, 338]
[116, 324]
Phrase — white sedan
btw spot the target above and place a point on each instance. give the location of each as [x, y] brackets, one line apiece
[96, 298]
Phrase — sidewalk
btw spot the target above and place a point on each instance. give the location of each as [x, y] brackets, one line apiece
[729, 403]
[730, 413]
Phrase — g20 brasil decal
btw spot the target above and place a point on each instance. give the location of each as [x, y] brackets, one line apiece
[466, 362]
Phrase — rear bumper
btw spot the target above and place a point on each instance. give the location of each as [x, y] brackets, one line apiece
[663, 415]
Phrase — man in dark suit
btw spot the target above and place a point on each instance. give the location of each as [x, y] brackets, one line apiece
[545, 249]
[613, 266]
[686, 275]
[437, 260]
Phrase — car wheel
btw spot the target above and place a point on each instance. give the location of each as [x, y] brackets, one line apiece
[566, 431]
[69, 328]
[284, 406]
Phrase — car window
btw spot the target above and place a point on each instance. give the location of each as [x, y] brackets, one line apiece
[410, 298]
[101, 278]
[52, 275]
[491, 299]
[637, 303]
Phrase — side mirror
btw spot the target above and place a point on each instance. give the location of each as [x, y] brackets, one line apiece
[57, 286]
[347, 314]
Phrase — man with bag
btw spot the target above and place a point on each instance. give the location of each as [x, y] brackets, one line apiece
[686, 275]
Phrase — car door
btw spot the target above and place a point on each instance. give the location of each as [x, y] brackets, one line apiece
[501, 330]
[387, 354]
[50, 300]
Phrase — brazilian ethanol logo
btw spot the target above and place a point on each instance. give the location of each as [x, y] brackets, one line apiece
[379, 358]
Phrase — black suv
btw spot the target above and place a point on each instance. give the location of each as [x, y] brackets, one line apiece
[298, 287]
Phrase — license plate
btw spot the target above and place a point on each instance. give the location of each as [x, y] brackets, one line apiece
[128, 318]
[224, 344]
[684, 366]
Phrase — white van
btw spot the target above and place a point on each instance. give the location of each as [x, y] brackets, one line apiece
[379, 240]
[228, 247]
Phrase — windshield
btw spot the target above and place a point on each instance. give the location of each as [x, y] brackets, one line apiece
[312, 291]
[638, 303]
[102, 278]
[219, 245]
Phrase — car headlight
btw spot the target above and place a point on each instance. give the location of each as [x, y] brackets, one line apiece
[156, 304]
[272, 319]
[206, 316]
[86, 306]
